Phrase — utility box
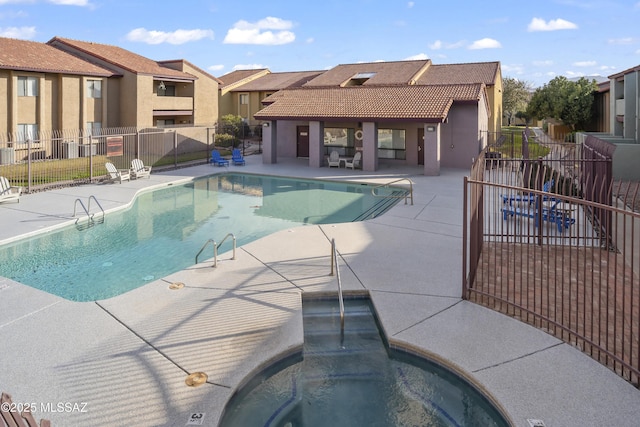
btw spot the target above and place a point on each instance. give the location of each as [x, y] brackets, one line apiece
[69, 150]
[7, 156]
[87, 150]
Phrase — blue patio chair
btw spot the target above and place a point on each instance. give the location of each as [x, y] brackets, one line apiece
[217, 159]
[236, 157]
[528, 198]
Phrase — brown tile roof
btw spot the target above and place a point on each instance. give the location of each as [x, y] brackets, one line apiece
[386, 73]
[277, 81]
[239, 75]
[26, 55]
[424, 103]
[478, 72]
[120, 58]
[183, 62]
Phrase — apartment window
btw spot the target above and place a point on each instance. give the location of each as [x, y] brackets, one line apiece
[27, 86]
[93, 128]
[244, 98]
[392, 144]
[94, 88]
[27, 131]
[340, 140]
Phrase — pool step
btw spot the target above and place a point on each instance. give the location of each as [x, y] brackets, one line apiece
[382, 206]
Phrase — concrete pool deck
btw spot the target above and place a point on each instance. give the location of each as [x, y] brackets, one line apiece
[123, 361]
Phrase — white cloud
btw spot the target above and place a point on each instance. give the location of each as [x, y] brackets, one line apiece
[485, 43]
[217, 67]
[267, 31]
[436, 45]
[439, 44]
[543, 63]
[248, 67]
[419, 56]
[16, 1]
[585, 64]
[621, 41]
[174, 37]
[538, 24]
[512, 69]
[24, 33]
[411, 4]
[310, 40]
[70, 2]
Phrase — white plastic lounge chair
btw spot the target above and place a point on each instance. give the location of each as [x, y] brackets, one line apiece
[115, 174]
[355, 162]
[139, 170]
[8, 191]
[334, 159]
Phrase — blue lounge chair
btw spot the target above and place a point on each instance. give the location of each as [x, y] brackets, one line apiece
[217, 159]
[528, 198]
[236, 157]
[549, 214]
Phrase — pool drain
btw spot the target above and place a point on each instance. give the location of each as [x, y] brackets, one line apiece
[196, 379]
[176, 285]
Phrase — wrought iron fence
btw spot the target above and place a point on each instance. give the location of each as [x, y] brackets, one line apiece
[72, 157]
[543, 253]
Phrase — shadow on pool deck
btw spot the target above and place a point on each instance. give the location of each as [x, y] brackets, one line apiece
[128, 357]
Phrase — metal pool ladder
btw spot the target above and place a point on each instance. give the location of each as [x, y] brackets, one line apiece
[215, 248]
[334, 267]
[87, 210]
[373, 190]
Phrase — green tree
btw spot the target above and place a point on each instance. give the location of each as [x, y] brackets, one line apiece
[230, 126]
[515, 97]
[568, 101]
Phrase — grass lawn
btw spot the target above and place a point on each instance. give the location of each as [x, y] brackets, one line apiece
[512, 146]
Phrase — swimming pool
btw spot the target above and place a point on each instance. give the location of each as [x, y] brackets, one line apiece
[357, 381]
[164, 229]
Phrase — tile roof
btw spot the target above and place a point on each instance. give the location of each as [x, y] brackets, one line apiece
[26, 55]
[120, 58]
[278, 81]
[424, 103]
[239, 75]
[478, 72]
[386, 73]
[183, 62]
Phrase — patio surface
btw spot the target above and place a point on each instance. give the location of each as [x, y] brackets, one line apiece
[123, 361]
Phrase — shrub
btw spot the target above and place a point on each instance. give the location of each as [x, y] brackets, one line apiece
[225, 140]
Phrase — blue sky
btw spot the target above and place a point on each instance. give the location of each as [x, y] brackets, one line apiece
[534, 42]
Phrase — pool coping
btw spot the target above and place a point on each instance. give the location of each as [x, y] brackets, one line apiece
[157, 336]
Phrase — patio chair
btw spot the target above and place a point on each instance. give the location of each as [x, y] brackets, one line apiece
[11, 417]
[217, 159]
[139, 170]
[355, 162]
[334, 159]
[115, 174]
[8, 191]
[237, 158]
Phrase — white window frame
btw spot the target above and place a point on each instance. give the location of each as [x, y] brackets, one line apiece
[94, 88]
[27, 131]
[27, 86]
[244, 99]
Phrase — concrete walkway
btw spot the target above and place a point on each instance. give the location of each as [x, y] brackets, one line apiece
[124, 361]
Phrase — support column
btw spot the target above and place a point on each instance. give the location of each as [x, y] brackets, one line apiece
[369, 146]
[270, 142]
[432, 149]
[316, 144]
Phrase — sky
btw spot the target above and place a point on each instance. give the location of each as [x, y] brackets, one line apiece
[533, 43]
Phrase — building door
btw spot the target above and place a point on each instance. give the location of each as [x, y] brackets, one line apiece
[303, 141]
[421, 146]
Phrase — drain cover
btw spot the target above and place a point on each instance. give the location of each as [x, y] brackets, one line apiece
[196, 379]
[535, 423]
[177, 285]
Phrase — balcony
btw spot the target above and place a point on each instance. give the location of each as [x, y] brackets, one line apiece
[181, 103]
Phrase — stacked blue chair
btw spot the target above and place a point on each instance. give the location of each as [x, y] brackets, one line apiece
[217, 159]
[236, 157]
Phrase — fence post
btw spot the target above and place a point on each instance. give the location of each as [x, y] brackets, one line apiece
[175, 148]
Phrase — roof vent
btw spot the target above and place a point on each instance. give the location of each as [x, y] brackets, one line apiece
[359, 79]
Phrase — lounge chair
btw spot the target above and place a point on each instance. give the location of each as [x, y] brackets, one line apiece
[553, 214]
[528, 198]
[334, 159]
[10, 416]
[355, 162]
[217, 159]
[9, 192]
[236, 157]
[115, 174]
[139, 170]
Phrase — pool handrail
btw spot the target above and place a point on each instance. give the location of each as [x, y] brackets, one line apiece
[87, 210]
[334, 267]
[215, 248]
[373, 190]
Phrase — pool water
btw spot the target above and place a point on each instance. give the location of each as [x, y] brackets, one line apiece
[356, 381]
[164, 229]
